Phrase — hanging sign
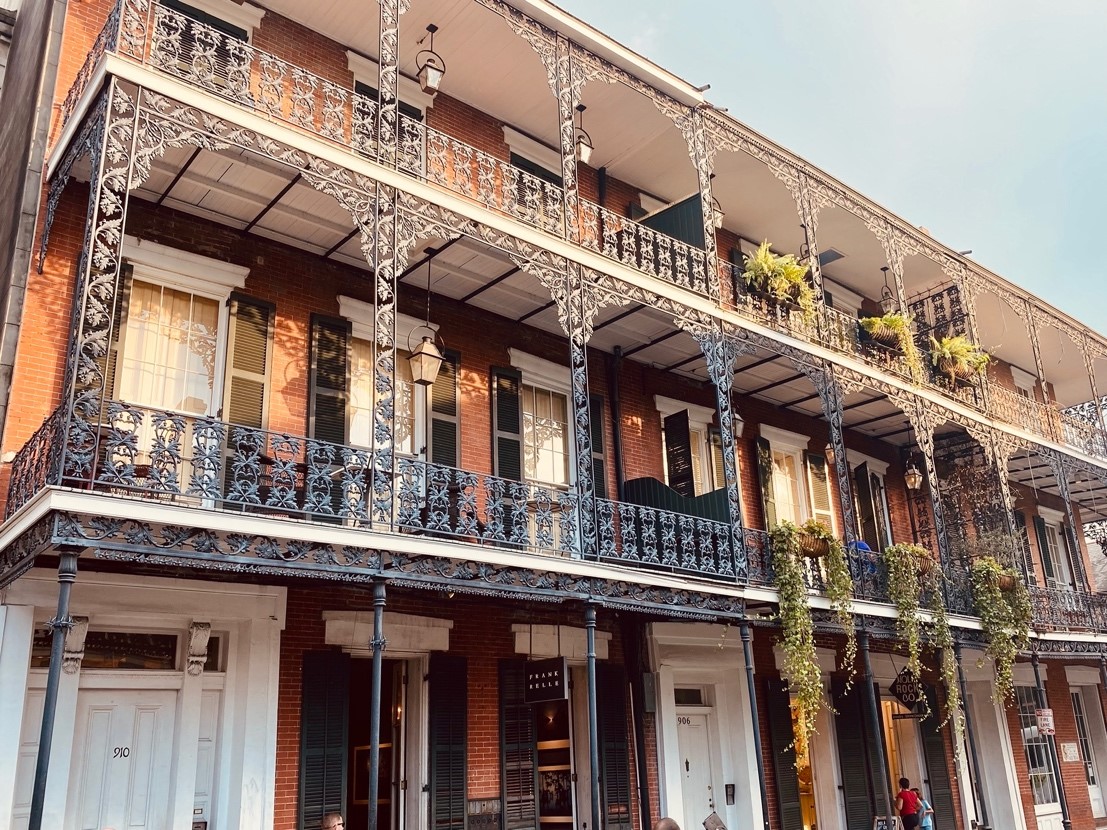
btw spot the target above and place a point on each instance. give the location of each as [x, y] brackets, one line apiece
[1044, 717]
[907, 688]
[887, 823]
[546, 680]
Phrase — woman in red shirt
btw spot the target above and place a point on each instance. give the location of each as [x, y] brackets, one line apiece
[908, 805]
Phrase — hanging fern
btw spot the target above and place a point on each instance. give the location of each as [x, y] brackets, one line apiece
[1005, 616]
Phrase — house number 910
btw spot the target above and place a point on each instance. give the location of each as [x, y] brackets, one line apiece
[121, 752]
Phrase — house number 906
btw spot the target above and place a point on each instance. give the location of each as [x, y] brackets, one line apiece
[684, 721]
[121, 752]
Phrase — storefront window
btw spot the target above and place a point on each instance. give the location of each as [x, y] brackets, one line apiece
[1042, 784]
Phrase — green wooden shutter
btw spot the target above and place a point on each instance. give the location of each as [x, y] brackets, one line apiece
[778, 706]
[596, 426]
[849, 727]
[938, 787]
[611, 686]
[682, 220]
[507, 423]
[445, 421]
[765, 477]
[329, 380]
[678, 453]
[518, 766]
[324, 720]
[448, 705]
[249, 345]
[818, 486]
[866, 511]
[1043, 549]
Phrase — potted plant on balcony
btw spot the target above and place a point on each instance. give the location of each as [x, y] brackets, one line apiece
[780, 278]
[1003, 604]
[797, 642]
[957, 357]
[894, 331]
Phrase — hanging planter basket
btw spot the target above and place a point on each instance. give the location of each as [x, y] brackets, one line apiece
[812, 546]
[926, 563]
[885, 336]
[955, 369]
[1006, 582]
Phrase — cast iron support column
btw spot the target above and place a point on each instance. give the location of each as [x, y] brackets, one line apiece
[62, 622]
[830, 392]
[1039, 696]
[1103, 679]
[874, 724]
[747, 653]
[593, 726]
[378, 644]
[978, 790]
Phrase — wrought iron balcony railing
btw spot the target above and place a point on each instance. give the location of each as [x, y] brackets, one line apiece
[170, 42]
[1062, 609]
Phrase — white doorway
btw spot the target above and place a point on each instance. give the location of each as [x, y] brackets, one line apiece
[1089, 728]
[694, 742]
[122, 758]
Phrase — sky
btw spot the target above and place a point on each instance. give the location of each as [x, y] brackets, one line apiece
[983, 120]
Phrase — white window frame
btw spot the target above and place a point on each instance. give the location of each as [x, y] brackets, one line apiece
[793, 444]
[700, 420]
[1025, 382]
[552, 377]
[880, 470]
[360, 314]
[214, 279]
[1062, 563]
[845, 299]
[532, 150]
[243, 15]
[367, 71]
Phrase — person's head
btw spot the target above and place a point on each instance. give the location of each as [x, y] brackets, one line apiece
[333, 821]
[666, 824]
[917, 791]
[904, 783]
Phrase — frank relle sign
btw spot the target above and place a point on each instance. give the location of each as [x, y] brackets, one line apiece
[546, 680]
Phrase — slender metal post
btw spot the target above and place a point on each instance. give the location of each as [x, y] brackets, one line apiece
[874, 724]
[978, 789]
[1103, 679]
[593, 727]
[62, 622]
[1039, 696]
[378, 643]
[747, 653]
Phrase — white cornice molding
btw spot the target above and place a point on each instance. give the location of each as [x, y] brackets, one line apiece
[532, 150]
[541, 372]
[183, 268]
[702, 416]
[783, 439]
[243, 15]
[360, 315]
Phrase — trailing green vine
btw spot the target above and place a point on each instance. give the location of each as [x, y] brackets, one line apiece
[800, 659]
[781, 277]
[900, 325]
[904, 589]
[1005, 616]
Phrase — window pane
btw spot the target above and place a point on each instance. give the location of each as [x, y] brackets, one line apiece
[1042, 784]
[115, 650]
[362, 396]
[545, 436]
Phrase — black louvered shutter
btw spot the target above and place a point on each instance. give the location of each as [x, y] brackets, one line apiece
[248, 351]
[448, 705]
[1043, 551]
[329, 379]
[109, 363]
[938, 786]
[324, 720]
[518, 766]
[599, 468]
[765, 477]
[880, 508]
[866, 512]
[611, 685]
[852, 757]
[507, 423]
[1024, 540]
[678, 453]
[818, 486]
[444, 419]
[778, 706]
[1075, 561]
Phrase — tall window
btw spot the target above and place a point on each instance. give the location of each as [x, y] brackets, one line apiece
[1042, 784]
[362, 397]
[545, 436]
[790, 504]
[168, 350]
[1084, 737]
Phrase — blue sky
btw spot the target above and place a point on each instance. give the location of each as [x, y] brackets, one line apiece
[983, 120]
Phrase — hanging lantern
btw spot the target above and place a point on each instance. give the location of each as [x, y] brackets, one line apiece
[432, 69]
[888, 302]
[426, 359]
[912, 477]
[583, 140]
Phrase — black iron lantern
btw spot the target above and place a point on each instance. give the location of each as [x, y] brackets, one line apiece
[432, 69]
[426, 358]
[888, 302]
[583, 140]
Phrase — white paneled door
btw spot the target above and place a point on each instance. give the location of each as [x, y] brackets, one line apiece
[122, 755]
[697, 788]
